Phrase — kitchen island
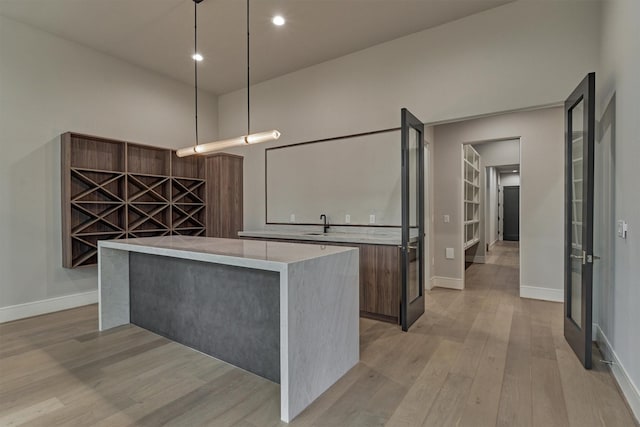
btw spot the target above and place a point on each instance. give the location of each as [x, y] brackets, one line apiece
[285, 311]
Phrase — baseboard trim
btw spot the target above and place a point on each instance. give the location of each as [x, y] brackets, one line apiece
[545, 294]
[36, 308]
[628, 388]
[447, 282]
[428, 284]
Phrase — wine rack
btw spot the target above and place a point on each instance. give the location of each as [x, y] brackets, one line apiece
[115, 189]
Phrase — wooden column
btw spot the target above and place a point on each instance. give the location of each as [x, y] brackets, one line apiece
[224, 195]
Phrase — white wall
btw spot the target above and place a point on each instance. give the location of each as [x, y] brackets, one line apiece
[618, 296]
[509, 179]
[49, 86]
[312, 179]
[541, 134]
[499, 153]
[514, 56]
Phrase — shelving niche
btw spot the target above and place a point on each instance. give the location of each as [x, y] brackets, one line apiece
[115, 189]
[471, 202]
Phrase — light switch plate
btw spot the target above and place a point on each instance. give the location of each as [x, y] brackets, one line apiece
[623, 227]
[449, 253]
[446, 218]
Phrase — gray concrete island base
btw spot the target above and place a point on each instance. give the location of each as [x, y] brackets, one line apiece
[318, 317]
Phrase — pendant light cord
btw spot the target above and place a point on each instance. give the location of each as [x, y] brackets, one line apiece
[195, 63]
[248, 77]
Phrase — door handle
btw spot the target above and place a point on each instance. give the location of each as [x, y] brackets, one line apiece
[582, 257]
[585, 258]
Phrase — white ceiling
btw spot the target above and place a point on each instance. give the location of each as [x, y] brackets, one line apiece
[158, 34]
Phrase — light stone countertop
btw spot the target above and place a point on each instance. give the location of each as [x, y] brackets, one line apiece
[264, 255]
[371, 238]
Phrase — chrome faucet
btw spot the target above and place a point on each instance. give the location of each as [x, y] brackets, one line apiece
[325, 222]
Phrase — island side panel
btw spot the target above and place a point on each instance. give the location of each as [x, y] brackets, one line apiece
[320, 340]
[113, 288]
[228, 312]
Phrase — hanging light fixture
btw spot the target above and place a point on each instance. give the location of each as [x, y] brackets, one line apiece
[249, 138]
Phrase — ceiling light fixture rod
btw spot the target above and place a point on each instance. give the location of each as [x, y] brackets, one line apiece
[248, 76]
[249, 138]
[195, 62]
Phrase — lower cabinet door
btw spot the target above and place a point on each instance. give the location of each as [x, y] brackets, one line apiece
[380, 282]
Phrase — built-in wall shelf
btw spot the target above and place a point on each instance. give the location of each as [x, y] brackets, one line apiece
[115, 189]
[471, 195]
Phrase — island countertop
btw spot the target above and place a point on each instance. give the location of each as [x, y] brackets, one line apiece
[264, 255]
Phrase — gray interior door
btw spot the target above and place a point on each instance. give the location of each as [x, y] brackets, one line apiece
[578, 283]
[412, 248]
[511, 212]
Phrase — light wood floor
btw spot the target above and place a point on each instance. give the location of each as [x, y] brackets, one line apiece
[480, 357]
[504, 253]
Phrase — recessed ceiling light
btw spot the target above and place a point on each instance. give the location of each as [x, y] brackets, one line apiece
[278, 20]
[197, 57]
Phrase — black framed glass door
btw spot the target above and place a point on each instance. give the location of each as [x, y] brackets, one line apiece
[579, 163]
[412, 257]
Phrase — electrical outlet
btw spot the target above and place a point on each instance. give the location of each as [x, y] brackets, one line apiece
[372, 219]
[449, 254]
[292, 218]
[446, 218]
[347, 219]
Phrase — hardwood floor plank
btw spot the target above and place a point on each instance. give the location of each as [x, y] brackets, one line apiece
[415, 406]
[447, 408]
[29, 413]
[515, 399]
[484, 397]
[549, 408]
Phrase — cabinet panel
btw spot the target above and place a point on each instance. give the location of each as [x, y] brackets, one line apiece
[224, 195]
[381, 281]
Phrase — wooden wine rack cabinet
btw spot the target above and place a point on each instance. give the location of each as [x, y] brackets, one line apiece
[115, 189]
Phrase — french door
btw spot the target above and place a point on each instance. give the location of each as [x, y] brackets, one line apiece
[412, 257]
[578, 283]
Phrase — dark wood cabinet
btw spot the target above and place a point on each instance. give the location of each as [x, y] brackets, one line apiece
[224, 195]
[380, 282]
[380, 277]
[116, 189]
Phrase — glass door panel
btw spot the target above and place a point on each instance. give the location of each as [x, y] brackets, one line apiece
[577, 131]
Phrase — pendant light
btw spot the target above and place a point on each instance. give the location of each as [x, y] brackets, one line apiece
[249, 138]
